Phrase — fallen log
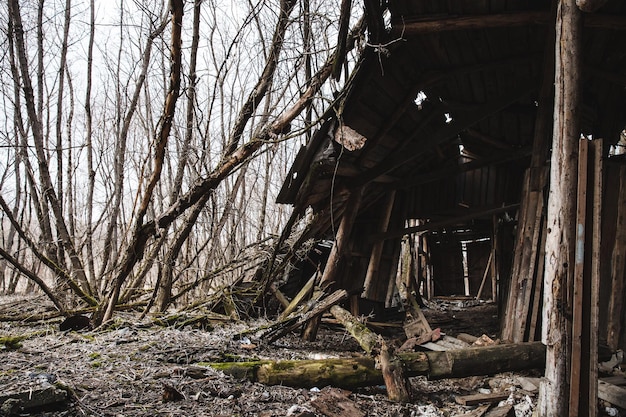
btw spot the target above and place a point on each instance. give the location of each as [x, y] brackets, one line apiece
[352, 373]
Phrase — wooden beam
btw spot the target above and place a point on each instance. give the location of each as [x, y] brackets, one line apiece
[560, 239]
[577, 290]
[439, 224]
[447, 132]
[495, 159]
[413, 26]
[612, 394]
[417, 26]
[618, 264]
[369, 287]
[337, 253]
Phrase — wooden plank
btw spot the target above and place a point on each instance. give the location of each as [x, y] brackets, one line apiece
[528, 267]
[577, 290]
[337, 253]
[614, 380]
[487, 269]
[475, 399]
[374, 263]
[303, 294]
[534, 314]
[592, 300]
[509, 310]
[616, 301]
[504, 411]
[612, 393]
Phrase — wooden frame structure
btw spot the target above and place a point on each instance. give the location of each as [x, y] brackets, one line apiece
[463, 121]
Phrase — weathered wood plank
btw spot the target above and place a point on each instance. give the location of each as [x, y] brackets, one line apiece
[612, 393]
[474, 399]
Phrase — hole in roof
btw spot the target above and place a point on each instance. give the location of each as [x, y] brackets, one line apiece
[448, 118]
[294, 175]
[420, 99]
[387, 19]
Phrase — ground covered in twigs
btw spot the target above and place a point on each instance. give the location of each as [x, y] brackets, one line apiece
[143, 369]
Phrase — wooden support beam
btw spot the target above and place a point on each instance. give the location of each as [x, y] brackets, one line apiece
[439, 224]
[413, 26]
[337, 253]
[618, 264]
[497, 158]
[486, 273]
[560, 239]
[369, 287]
[577, 290]
[449, 131]
[416, 26]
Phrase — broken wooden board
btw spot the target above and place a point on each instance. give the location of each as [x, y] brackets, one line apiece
[506, 410]
[280, 329]
[334, 402]
[612, 393]
[475, 399]
[614, 380]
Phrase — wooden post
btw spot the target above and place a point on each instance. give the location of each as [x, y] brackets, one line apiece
[616, 301]
[369, 287]
[337, 253]
[577, 284]
[494, 260]
[560, 239]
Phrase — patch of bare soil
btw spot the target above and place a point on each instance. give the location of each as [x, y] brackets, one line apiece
[140, 369]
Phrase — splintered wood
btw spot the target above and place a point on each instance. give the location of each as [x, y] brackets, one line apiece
[334, 402]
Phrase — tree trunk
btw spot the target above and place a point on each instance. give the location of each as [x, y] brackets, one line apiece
[561, 234]
[350, 373]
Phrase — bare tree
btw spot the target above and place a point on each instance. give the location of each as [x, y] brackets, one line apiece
[161, 197]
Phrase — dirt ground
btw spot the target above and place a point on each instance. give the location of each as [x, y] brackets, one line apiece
[126, 370]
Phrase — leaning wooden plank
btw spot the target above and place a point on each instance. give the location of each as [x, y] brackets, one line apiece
[503, 411]
[612, 393]
[475, 399]
[302, 294]
[368, 340]
[352, 373]
[284, 328]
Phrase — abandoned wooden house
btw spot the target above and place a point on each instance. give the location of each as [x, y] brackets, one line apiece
[480, 145]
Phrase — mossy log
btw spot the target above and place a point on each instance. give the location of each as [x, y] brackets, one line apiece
[350, 373]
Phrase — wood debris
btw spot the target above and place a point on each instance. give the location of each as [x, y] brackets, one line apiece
[333, 402]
